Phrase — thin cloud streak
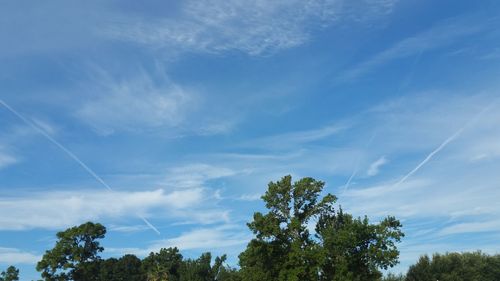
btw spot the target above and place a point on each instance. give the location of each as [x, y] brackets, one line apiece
[356, 168]
[71, 155]
[444, 144]
[44, 210]
[434, 38]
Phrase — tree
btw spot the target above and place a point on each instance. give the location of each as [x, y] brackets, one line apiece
[197, 269]
[168, 264]
[128, 267]
[224, 273]
[75, 255]
[354, 249]
[11, 274]
[456, 267]
[164, 265]
[107, 269]
[342, 248]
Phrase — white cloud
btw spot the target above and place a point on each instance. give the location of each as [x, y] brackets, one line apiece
[218, 238]
[195, 175]
[55, 210]
[128, 228]
[7, 159]
[135, 104]
[385, 189]
[374, 168]
[16, 256]
[205, 238]
[250, 197]
[459, 184]
[185, 198]
[485, 148]
[252, 27]
[472, 227]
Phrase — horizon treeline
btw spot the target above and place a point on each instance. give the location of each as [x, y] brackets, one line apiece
[341, 248]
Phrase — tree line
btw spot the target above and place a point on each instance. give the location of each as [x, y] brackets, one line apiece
[302, 236]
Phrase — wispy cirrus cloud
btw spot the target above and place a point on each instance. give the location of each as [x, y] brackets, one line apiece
[17, 256]
[217, 238]
[450, 159]
[293, 140]
[45, 209]
[439, 36]
[254, 28]
[147, 100]
[7, 159]
[472, 227]
[196, 174]
[454, 191]
[206, 238]
[137, 103]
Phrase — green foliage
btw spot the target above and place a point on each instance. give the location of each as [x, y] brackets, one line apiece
[163, 265]
[168, 264]
[11, 274]
[342, 249]
[456, 267]
[354, 249]
[74, 255]
[128, 267]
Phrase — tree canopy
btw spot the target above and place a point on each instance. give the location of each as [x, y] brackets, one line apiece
[75, 257]
[456, 266]
[302, 236]
[75, 254]
[341, 247]
[11, 274]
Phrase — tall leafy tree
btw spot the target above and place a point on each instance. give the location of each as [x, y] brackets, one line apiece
[75, 255]
[10, 274]
[283, 248]
[164, 265]
[354, 249]
[342, 248]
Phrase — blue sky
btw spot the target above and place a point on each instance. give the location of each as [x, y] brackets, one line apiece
[186, 110]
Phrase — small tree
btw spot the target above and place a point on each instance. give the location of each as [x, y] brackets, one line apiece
[11, 274]
[75, 255]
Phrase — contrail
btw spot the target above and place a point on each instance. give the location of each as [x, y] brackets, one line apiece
[356, 168]
[71, 155]
[429, 157]
[444, 144]
[348, 183]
